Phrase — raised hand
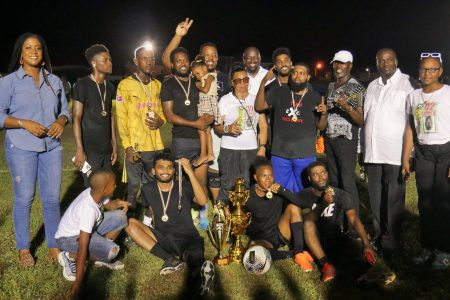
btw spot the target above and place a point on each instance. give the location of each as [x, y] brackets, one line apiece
[183, 27]
[322, 107]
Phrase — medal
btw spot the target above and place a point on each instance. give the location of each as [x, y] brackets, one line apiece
[102, 99]
[294, 118]
[269, 195]
[165, 218]
[295, 106]
[187, 102]
[165, 204]
[104, 113]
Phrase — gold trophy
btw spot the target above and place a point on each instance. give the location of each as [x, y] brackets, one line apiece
[238, 219]
[218, 233]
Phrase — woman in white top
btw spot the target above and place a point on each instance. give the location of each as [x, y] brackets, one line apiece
[241, 141]
[429, 132]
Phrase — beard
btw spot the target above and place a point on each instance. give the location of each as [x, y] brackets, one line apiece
[297, 87]
[162, 180]
[320, 188]
[179, 74]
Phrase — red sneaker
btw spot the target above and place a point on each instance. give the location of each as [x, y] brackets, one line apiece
[302, 260]
[328, 272]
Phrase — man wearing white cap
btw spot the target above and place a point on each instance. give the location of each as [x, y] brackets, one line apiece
[345, 116]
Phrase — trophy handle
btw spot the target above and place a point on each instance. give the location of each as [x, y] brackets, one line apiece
[211, 237]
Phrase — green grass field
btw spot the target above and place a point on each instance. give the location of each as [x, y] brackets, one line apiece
[140, 279]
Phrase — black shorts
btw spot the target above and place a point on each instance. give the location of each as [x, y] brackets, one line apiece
[213, 179]
[178, 245]
[186, 147]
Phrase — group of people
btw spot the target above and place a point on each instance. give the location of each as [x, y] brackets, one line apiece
[253, 123]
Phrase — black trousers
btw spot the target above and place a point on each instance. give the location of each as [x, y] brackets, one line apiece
[387, 201]
[341, 162]
[433, 187]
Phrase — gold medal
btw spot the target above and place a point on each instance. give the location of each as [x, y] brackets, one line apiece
[269, 195]
[165, 218]
[104, 113]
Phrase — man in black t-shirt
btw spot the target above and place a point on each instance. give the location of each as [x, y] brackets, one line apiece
[298, 113]
[93, 123]
[276, 218]
[324, 207]
[168, 231]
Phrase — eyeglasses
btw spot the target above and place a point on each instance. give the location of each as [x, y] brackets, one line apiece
[429, 70]
[241, 80]
[434, 55]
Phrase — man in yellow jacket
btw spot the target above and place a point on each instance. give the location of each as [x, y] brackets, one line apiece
[139, 118]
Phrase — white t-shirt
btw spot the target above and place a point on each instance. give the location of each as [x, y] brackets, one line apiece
[255, 81]
[82, 214]
[385, 118]
[431, 112]
[232, 109]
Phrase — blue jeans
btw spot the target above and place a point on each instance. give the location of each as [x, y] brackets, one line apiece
[290, 172]
[25, 167]
[99, 246]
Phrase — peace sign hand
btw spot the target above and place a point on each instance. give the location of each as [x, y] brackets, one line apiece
[183, 27]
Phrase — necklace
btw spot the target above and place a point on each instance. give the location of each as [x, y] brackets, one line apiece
[295, 106]
[165, 204]
[103, 99]
[429, 98]
[180, 185]
[269, 194]
[187, 102]
[150, 113]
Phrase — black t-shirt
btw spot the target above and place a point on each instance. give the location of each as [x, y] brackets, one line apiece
[333, 214]
[223, 84]
[266, 214]
[293, 137]
[95, 128]
[180, 223]
[172, 91]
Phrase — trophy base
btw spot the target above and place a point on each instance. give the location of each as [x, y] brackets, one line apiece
[224, 261]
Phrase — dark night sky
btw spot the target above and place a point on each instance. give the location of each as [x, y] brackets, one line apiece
[313, 30]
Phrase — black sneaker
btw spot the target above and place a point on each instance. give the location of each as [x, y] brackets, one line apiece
[171, 265]
[424, 257]
[441, 260]
[207, 274]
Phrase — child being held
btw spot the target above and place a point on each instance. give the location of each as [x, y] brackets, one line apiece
[207, 85]
[85, 230]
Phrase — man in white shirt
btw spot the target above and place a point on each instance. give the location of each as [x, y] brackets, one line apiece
[384, 122]
[252, 62]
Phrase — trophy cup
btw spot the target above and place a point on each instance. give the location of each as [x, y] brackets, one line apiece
[238, 219]
[218, 233]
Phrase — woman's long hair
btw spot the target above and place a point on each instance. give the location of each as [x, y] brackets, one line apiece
[17, 54]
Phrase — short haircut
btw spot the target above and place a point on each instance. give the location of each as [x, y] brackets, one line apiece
[94, 50]
[165, 155]
[279, 51]
[97, 177]
[208, 44]
[314, 164]
[249, 49]
[303, 64]
[176, 51]
[261, 162]
[237, 68]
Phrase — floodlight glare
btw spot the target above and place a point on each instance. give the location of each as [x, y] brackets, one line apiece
[146, 45]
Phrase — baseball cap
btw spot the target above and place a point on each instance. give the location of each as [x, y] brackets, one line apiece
[343, 56]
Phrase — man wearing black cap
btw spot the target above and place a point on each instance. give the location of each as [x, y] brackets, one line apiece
[93, 124]
[345, 116]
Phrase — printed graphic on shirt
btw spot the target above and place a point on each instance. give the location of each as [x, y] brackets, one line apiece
[338, 125]
[425, 116]
[246, 117]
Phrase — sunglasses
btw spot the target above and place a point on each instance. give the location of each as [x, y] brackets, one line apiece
[434, 55]
[241, 80]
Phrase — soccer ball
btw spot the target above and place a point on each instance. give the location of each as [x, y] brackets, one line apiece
[257, 260]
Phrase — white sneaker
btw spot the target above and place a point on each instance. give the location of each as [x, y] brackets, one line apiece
[69, 265]
[117, 265]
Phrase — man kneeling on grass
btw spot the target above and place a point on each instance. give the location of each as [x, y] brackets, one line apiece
[84, 227]
[276, 218]
[168, 231]
[323, 225]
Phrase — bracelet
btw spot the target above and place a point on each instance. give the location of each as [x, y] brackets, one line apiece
[225, 129]
[20, 123]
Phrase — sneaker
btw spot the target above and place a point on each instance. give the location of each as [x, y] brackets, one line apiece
[425, 256]
[207, 274]
[171, 265]
[69, 265]
[303, 261]
[441, 260]
[117, 265]
[328, 272]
